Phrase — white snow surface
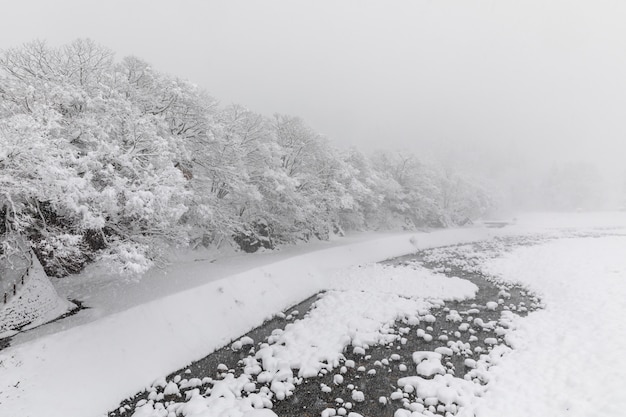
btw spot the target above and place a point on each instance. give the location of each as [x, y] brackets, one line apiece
[36, 303]
[86, 370]
[359, 316]
[568, 357]
[403, 281]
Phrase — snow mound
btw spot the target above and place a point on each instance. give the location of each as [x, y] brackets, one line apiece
[445, 388]
[409, 281]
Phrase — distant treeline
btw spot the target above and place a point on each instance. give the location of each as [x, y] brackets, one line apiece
[106, 159]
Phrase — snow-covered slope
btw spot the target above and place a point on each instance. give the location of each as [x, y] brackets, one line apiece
[86, 370]
[36, 303]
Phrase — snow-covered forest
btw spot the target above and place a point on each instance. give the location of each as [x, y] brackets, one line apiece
[105, 158]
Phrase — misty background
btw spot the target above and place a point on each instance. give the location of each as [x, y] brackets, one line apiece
[531, 95]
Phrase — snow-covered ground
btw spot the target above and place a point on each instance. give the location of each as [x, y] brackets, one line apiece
[568, 357]
[85, 370]
[105, 293]
[359, 317]
[112, 352]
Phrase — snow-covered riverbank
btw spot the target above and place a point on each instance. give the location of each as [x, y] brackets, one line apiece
[85, 370]
[568, 357]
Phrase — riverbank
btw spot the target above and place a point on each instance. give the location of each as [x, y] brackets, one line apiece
[85, 369]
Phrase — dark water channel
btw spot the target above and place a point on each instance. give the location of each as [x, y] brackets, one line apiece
[392, 361]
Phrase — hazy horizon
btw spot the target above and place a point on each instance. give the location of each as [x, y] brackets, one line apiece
[495, 86]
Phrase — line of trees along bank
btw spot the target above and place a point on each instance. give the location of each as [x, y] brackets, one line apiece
[106, 159]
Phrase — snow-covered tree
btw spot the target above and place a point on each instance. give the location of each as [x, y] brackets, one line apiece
[100, 164]
[115, 160]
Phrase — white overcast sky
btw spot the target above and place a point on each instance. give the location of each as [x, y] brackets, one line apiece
[537, 79]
